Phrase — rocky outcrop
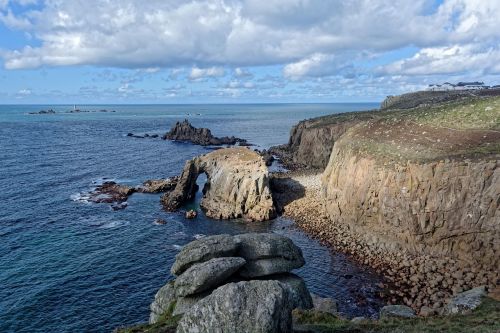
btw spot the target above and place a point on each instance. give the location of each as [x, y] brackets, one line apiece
[253, 306]
[311, 141]
[184, 131]
[210, 286]
[157, 185]
[111, 192]
[237, 185]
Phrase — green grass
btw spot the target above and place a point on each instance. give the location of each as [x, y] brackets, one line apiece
[485, 319]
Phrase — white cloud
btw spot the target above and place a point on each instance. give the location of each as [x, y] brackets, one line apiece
[447, 60]
[24, 92]
[202, 73]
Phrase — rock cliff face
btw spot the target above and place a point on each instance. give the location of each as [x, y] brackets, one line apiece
[443, 208]
[237, 185]
[311, 141]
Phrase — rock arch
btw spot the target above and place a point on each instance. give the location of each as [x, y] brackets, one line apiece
[237, 185]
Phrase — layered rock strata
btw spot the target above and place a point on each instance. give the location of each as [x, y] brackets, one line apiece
[212, 291]
[237, 185]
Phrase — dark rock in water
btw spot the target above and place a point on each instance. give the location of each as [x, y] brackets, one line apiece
[184, 131]
[111, 192]
[154, 135]
[203, 250]
[50, 111]
[160, 221]
[130, 134]
[251, 306]
[207, 275]
[191, 214]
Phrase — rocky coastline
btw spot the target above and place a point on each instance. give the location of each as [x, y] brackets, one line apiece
[405, 209]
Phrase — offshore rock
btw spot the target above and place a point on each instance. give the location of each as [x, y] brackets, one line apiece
[252, 306]
[203, 276]
[237, 185]
[111, 192]
[184, 131]
[157, 185]
[202, 250]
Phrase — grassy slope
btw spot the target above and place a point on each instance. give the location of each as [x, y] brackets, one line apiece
[485, 319]
[467, 128]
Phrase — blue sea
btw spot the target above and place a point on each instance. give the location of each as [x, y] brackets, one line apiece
[67, 265]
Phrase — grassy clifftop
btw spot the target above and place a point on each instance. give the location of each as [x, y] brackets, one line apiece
[467, 128]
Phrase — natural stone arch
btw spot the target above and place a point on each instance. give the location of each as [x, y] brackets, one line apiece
[237, 185]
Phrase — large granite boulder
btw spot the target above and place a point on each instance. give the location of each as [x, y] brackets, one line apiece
[465, 302]
[185, 303]
[202, 250]
[237, 185]
[164, 300]
[268, 254]
[206, 275]
[300, 298]
[397, 311]
[250, 307]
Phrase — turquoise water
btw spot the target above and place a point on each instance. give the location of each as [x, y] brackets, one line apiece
[70, 266]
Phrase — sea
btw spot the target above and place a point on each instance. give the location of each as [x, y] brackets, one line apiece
[67, 265]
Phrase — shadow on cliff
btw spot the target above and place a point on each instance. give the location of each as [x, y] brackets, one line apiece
[285, 190]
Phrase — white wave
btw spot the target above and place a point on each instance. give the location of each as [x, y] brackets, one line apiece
[177, 247]
[198, 236]
[80, 197]
[113, 224]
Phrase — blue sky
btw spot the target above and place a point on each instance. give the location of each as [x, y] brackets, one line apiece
[232, 51]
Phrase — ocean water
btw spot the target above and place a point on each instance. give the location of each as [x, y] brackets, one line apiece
[67, 265]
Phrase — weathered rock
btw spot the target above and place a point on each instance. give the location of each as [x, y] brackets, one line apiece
[164, 299]
[268, 254]
[325, 304]
[426, 311]
[401, 311]
[158, 185]
[191, 214]
[251, 307]
[206, 275]
[202, 250]
[183, 304]
[111, 192]
[300, 298]
[465, 302]
[184, 131]
[237, 185]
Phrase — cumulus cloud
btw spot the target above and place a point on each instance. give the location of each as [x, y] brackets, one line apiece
[175, 33]
[454, 59]
[202, 73]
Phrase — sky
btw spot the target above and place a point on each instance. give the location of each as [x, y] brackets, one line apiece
[241, 51]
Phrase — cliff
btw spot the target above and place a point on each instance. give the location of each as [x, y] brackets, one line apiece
[237, 185]
[423, 180]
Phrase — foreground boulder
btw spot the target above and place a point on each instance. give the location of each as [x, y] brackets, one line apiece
[206, 275]
[251, 306]
[202, 250]
[268, 254]
[237, 185]
[218, 261]
[184, 131]
[465, 302]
